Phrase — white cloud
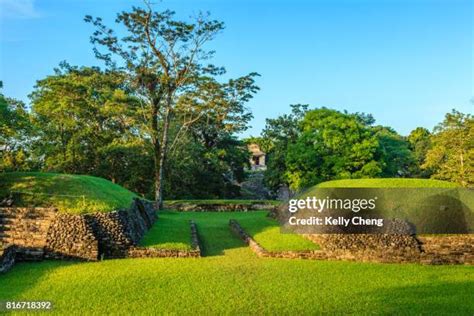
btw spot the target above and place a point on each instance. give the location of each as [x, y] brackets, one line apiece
[23, 9]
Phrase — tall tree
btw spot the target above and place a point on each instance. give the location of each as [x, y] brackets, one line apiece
[451, 156]
[163, 58]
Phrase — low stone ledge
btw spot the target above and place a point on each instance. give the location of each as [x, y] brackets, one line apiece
[381, 248]
[254, 246]
[7, 257]
[456, 249]
[262, 252]
[216, 207]
[150, 252]
[195, 243]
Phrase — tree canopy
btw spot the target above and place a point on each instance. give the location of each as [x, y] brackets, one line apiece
[164, 59]
[451, 156]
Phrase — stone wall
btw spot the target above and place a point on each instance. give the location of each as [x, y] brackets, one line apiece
[216, 207]
[27, 229]
[150, 252]
[458, 249]
[117, 231]
[7, 257]
[40, 233]
[262, 252]
[71, 237]
[383, 248]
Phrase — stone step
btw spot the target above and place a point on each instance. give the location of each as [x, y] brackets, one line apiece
[6, 215]
[6, 220]
[5, 228]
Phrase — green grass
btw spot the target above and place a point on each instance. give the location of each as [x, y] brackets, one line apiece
[388, 183]
[69, 193]
[266, 231]
[232, 280]
[171, 231]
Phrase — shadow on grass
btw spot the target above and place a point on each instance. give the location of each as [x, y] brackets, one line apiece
[169, 232]
[25, 275]
[450, 298]
[216, 239]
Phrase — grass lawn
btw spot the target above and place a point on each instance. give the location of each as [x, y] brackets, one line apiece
[170, 231]
[232, 280]
[69, 193]
[266, 231]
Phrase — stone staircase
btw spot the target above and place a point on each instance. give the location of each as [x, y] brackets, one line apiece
[5, 227]
[26, 229]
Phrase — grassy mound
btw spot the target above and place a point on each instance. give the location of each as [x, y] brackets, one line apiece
[433, 206]
[387, 183]
[230, 279]
[69, 193]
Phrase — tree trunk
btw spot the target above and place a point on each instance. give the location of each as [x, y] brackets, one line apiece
[162, 158]
[156, 147]
[157, 155]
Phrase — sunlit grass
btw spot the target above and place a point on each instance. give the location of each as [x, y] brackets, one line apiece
[232, 280]
[171, 231]
[68, 193]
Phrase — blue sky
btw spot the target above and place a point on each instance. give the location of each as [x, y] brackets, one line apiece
[407, 62]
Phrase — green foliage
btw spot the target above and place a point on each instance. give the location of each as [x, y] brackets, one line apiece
[68, 193]
[197, 170]
[312, 146]
[206, 159]
[15, 129]
[332, 145]
[87, 122]
[387, 183]
[394, 153]
[232, 280]
[280, 133]
[78, 111]
[163, 58]
[451, 156]
[420, 143]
